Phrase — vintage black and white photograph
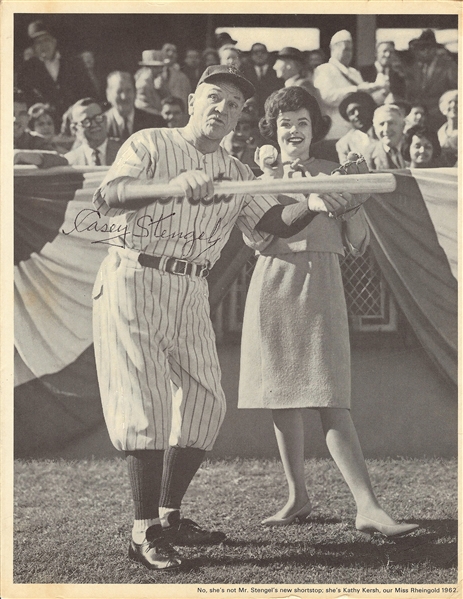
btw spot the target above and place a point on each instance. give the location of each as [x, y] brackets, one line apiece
[235, 319]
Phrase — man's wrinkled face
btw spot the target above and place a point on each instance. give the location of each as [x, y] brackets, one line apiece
[389, 128]
[90, 124]
[215, 108]
[21, 119]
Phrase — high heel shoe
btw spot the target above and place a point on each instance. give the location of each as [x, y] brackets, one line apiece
[300, 515]
[367, 526]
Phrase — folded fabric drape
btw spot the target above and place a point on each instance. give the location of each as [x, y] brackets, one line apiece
[414, 239]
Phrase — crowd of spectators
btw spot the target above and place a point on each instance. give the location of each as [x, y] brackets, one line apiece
[396, 112]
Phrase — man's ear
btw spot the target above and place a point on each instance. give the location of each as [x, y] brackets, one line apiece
[191, 101]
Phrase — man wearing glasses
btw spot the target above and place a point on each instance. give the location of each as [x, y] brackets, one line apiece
[90, 128]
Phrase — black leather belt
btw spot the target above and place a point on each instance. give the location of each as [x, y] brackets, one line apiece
[174, 265]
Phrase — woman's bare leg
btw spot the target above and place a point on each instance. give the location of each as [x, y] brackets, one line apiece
[344, 446]
[289, 432]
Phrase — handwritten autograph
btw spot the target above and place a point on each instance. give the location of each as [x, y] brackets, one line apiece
[88, 219]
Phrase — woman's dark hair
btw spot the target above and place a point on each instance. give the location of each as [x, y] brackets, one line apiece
[420, 131]
[38, 110]
[290, 99]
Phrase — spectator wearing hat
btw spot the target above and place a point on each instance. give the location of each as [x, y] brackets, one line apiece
[336, 78]
[30, 148]
[385, 73]
[23, 138]
[50, 77]
[123, 118]
[386, 153]
[177, 83]
[289, 67]
[90, 128]
[431, 73]
[357, 109]
[192, 66]
[41, 124]
[224, 39]
[448, 133]
[150, 84]
[262, 75]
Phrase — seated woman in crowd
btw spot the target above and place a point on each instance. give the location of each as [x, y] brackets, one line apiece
[295, 343]
[41, 123]
[421, 147]
[448, 133]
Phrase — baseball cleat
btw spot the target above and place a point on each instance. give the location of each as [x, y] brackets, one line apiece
[156, 553]
[183, 531]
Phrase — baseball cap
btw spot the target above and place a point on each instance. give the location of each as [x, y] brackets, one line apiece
[219, 72]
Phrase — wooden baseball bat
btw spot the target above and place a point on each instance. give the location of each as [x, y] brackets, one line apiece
[368, 183]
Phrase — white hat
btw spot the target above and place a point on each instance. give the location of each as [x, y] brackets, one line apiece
[341, 36]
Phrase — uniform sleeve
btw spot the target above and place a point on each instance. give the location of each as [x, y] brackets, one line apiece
[136, 159]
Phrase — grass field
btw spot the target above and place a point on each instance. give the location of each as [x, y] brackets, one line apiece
[73, 520]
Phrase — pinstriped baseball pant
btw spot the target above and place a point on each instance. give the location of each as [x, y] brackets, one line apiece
[157, 362]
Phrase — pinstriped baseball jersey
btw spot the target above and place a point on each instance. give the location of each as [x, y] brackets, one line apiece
[158, 369]
[177, 227]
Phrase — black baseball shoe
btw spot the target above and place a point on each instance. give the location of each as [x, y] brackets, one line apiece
[183, 531]
[156, 552]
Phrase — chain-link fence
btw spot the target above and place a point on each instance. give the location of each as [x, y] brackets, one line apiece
[370, 305]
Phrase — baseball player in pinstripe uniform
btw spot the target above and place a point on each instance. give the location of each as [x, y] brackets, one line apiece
[157, 363]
